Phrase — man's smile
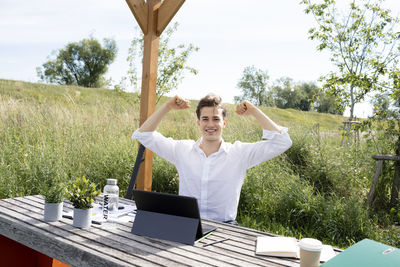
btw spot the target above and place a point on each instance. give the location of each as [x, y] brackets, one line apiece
[211, 131]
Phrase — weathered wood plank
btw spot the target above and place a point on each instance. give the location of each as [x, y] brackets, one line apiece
[68, 252]
[238, 240]
[122, 248]
[151, 247]
[221, 258]
[198, 258]
[227, 255]
[92, 238]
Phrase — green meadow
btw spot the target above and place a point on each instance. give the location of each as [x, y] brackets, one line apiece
[317, 188]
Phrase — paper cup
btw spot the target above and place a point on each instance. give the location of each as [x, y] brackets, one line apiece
[310, 251]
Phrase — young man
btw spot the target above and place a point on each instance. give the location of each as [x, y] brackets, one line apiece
[210, 169]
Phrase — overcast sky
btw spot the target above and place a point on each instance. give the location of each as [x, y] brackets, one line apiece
[271, 35]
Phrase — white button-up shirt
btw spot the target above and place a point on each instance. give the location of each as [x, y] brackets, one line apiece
[215, 181]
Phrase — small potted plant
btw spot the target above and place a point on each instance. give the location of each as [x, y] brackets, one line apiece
[82, 194]
[54, 193]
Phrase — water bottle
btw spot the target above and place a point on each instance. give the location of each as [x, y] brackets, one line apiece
[110, 204]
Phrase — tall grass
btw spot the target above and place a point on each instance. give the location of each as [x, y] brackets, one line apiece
[41, 137]
[316, 189]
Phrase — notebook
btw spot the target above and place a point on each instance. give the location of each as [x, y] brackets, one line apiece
[175, 205]
[366, 253]
[287, 247]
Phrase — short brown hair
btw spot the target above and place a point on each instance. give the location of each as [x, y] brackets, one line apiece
[210, 100]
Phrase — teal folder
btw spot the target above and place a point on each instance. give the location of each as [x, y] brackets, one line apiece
[366, 253]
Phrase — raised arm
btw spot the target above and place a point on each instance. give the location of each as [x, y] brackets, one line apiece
[246, 108]
[155, 119]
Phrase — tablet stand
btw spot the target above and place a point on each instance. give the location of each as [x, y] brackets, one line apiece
[164, 226]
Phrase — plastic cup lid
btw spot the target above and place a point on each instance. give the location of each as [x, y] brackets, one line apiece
[310, 244]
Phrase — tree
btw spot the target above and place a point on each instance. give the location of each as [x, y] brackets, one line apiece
[172, 62]
[324, 103]
[286, 94]
[80, 63]
[363, 46]
[253, 85]
[380, 102]
[302, 96]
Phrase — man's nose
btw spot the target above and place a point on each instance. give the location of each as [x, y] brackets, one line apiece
[210, 123]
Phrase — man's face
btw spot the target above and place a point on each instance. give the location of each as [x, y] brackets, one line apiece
[211, 123]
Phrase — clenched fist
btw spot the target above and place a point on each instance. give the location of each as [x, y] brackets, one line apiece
[245, 108]
[178, 102]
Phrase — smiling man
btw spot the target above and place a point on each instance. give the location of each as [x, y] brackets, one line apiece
[210, 169]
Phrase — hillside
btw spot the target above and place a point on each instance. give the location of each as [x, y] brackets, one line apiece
[36, 93]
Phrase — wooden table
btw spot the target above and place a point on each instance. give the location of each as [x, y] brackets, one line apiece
[21, 220]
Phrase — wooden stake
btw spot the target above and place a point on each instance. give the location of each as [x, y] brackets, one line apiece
[152, 17]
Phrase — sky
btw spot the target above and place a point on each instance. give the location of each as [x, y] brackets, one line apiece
[231, 35]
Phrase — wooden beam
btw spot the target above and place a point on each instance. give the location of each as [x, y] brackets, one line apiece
[386, 157]
[166, 12]
[153, 17]
[140, 11]
[148, 92]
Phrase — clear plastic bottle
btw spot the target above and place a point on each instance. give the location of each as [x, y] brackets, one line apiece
[110, 204]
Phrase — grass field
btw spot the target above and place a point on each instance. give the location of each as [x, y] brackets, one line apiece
[316, 189]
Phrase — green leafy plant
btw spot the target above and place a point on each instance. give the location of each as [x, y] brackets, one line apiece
[82, 193]
[55, 193]
[53, 189]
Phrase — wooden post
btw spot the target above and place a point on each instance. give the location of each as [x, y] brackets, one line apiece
[396, 181]
[371, 193]
[152, 17]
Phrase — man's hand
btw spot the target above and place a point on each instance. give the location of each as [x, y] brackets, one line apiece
[178, 102]
[154, 120]
[245, 108]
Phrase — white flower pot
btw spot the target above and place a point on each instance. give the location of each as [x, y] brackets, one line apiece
[82, 218]
[52, 211]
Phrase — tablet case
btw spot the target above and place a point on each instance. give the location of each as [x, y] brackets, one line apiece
[164, 226]
[366, 253]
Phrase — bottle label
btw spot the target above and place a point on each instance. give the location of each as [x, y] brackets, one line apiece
[105, 207]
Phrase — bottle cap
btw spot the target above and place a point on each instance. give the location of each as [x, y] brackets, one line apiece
[112, 181]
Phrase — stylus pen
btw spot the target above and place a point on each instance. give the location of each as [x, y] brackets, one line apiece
[215, 242]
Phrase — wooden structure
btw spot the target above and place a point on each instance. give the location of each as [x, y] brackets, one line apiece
[348, 128]
[396, 181]
[21, 223]
[153, 17]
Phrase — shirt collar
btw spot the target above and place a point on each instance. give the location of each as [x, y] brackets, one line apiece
[223, 146]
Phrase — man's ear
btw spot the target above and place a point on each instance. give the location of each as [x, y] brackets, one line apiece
[198, 123]
[225, 122]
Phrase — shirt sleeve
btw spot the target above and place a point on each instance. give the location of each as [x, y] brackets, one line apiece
[258, 152]
[158, 143]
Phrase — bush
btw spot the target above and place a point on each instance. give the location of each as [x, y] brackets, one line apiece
[281, 196]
